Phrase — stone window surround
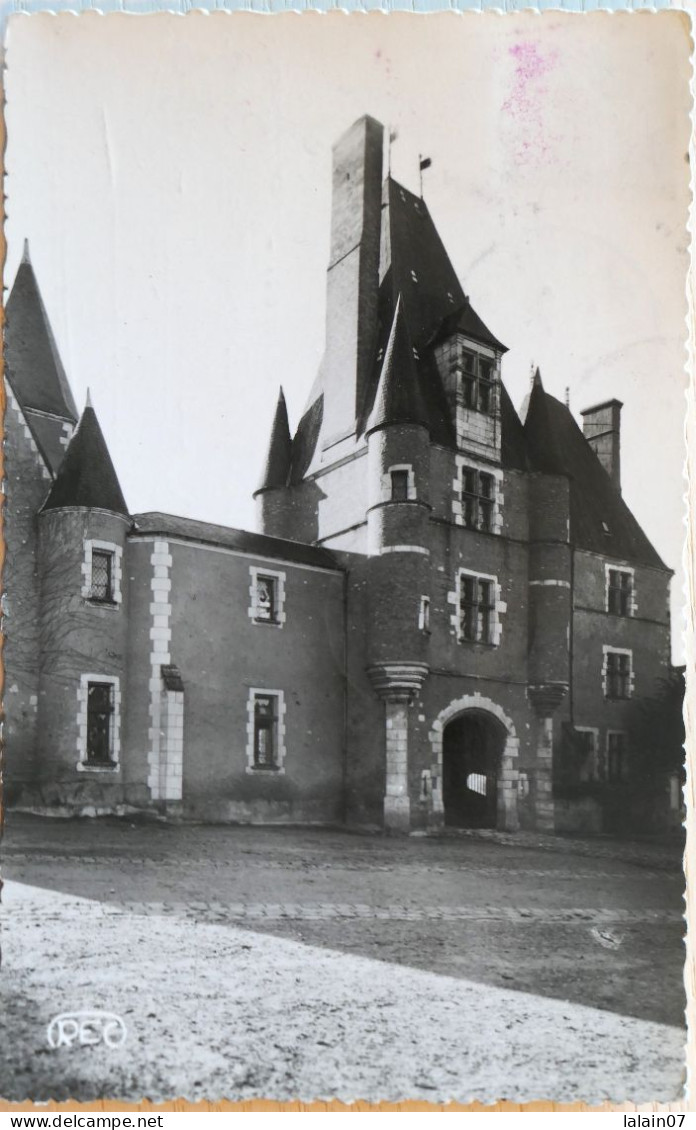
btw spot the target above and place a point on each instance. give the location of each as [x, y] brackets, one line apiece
[627, 569]
[82, 765]
[508, 772]
[386, 482]
[90, 544]
[251, 767]
[498, 499]
[499, 608]
[279, 577]
[608, 650]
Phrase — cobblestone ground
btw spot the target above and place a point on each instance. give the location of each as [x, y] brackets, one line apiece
[285, 963]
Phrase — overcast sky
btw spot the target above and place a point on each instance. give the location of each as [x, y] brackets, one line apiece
[173, 178]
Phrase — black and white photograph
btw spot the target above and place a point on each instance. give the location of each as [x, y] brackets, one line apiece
[344, 612]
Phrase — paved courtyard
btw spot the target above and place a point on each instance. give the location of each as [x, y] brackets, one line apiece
[288, 963]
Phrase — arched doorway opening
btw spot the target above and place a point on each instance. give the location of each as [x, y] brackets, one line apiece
[472, 750]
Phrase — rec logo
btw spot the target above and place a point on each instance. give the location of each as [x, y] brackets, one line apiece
[86, 1028]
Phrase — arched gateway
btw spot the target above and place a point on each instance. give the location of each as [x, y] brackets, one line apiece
[475, 751]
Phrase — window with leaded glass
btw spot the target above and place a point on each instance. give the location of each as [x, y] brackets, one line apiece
[100, 713]
[265, 731]
[478, 492]
[618, 675]
[477, 607]
[102, 576]
[620, 592]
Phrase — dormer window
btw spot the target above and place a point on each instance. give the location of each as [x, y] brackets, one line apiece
[476, 382]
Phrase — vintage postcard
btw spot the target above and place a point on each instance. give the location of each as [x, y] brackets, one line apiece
[346, 371]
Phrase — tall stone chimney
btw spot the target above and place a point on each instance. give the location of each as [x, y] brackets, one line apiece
[353, 276]
[601, 427]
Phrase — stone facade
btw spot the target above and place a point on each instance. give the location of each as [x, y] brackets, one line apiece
[447, 618]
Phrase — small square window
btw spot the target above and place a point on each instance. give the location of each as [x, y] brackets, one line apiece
[101, 588]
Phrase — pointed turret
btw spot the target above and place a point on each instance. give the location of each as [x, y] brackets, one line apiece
[34, 367]
[277, 465]
[535, 382]
[398, 399]
[87, 476]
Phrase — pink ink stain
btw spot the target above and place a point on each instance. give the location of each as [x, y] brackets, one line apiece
[525, 103]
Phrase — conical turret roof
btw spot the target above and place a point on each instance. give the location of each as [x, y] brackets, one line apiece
[34, 367]
[277, 466]
[398, 399]
[87, 476]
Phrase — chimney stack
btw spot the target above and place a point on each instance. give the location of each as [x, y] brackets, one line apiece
[353, 276]
[601, 427]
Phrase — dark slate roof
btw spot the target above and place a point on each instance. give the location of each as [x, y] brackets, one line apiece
[398, 399]
[277, 465]
[48, 433]
[556, 445]
[33, 366]
[434, 298]
[256, 545]
[513, 446]
[305, 439]
[87, 476]
[467, 322]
